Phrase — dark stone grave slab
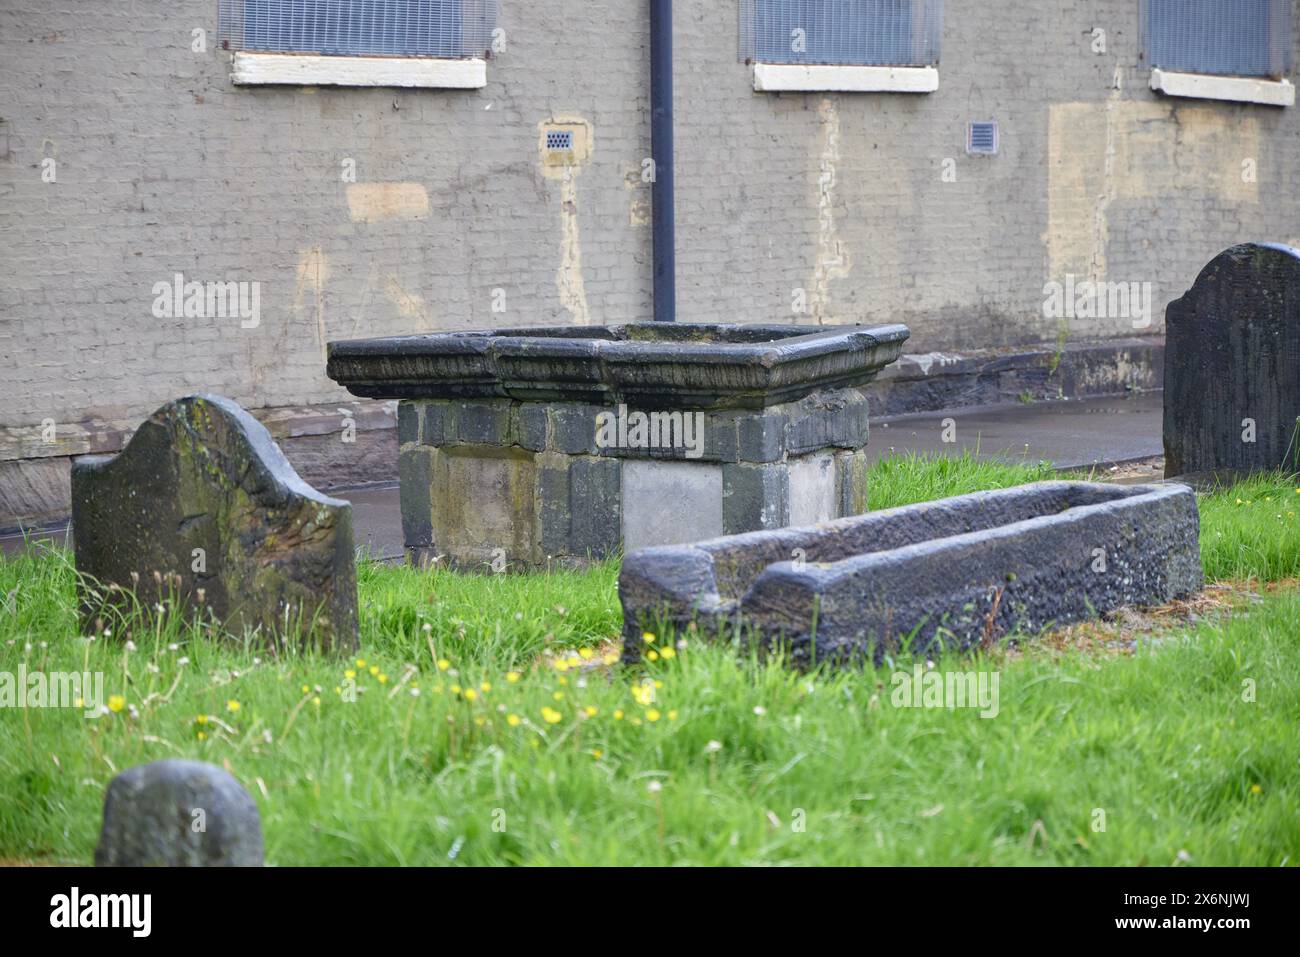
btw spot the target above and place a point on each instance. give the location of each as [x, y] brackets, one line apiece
[1232, 366]
[950, 573]
[203, 507]
[178, 813]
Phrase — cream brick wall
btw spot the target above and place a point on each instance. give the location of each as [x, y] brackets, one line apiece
[163, 166]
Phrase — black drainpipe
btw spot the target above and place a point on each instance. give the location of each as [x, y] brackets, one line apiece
[661, 151]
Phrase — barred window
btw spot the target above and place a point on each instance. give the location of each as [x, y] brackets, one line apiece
[841, 32]
[1218, 37]
[404, 28]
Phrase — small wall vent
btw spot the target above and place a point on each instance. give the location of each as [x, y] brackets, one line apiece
[982, 137]
[559, 140]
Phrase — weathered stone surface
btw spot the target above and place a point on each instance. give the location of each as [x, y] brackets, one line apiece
[415, 495]
[484, 506]
[667, 502]
[177, 813]
[951, 573]
[408, 424]
[483, 423]
[202, 505]
[644, 364]
[754, 497]
[595, 502]
[813, 491]
[1232, 365]
[853, 470]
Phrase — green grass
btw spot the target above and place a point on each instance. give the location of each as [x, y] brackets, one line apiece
[905, 479]
[815, 768]
[1252, 530]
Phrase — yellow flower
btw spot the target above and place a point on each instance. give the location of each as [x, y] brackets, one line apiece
[597, 753]
[203, 736]
[232, 706]
[561, 665]
[361, 662]
[116, 703]
[1255, 789]
[486, 686]
[79, 703]
[652, 715]
[668, 651]
[305, 689]
[513, 720]
[470, 694]
[443, 664]
[512, 676]
[585, 653]
[201, 719]
[672, 715]
[658, 683]
[591, 711]
[374, 670]
[383, 679]
[652, 655]
[455, 689]
[618, 715]
[349, 674]
[480, 721]
[611, 658]
[316, 701]
[648, 637]
[558, 695]
[551, 716]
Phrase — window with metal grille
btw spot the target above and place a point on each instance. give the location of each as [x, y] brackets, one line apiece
[408, 28]
[844, 32]
[1218, 37]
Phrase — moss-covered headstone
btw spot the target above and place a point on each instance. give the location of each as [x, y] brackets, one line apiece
[1232, 365]
[203, 508]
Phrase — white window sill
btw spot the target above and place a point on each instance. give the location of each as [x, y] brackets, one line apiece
[304, 69]
[806, 78]
[1242, 89]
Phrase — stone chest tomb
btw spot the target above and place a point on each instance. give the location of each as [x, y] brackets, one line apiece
[525, 447]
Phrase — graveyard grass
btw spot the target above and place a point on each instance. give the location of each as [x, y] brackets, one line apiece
[491, 729]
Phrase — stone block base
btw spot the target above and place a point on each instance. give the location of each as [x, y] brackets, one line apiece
[501, 483]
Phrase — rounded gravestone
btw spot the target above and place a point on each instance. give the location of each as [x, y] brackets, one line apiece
[177, 813]
[203, 507]
[1232, 366]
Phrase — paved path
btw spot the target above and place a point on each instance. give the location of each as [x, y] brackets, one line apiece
[1068, 434]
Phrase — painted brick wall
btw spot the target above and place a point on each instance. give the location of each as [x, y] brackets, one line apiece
[163, 167]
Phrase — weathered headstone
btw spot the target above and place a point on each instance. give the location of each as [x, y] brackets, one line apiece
[203, 507]
[177, 813]
[1232, 365]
